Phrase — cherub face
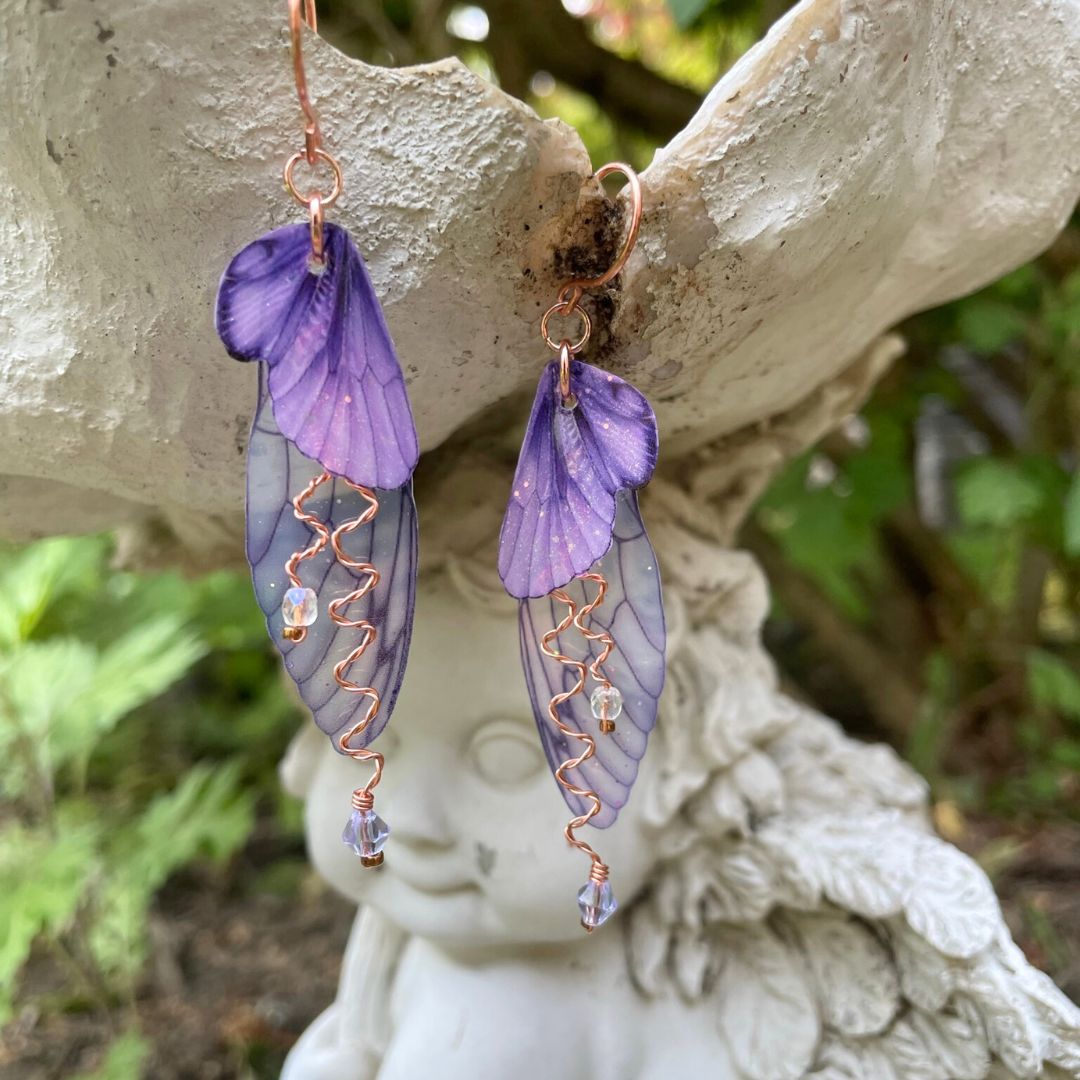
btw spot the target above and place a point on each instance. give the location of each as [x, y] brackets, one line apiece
[476, 854]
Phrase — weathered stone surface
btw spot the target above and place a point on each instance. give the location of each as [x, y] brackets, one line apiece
[864, 161]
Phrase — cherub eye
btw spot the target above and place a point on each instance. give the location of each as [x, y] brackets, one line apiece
[506, 753]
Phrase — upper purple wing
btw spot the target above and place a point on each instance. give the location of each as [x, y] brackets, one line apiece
[633, 613]
[277, 471]
[335, 381]
[573, 462]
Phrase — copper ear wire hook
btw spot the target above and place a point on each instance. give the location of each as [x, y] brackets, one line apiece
[312, 131]
[300, 12]
[571, 293]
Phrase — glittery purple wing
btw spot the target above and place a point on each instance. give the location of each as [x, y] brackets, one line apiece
[633, 613]
[572, 465]
[276, 472]
[335, 381]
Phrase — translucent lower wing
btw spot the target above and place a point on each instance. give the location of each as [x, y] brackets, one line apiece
[633, 614]
[573, 463]
[277, 471]
[335, 380]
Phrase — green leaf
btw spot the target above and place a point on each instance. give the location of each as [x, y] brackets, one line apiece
[137, 668]
[207, 813]
[60, 696]
[123, 1060]
[37, 683]
[686, 12]
[1053, 684]
[996, 493]
[989, 325]
[1072, 518]
[42, 880]
[39, 575]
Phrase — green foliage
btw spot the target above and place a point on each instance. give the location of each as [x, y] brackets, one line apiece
[996, 493]
[687, 12]
[1053, 684]
[123, 1060]
[106, 801]
[1072, 518]
[830, 530]
[979, 618]
[207, 813]
[42, 881]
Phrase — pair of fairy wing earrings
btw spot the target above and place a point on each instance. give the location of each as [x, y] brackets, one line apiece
[331, 518]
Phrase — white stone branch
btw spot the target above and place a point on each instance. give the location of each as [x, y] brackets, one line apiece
[863, 162]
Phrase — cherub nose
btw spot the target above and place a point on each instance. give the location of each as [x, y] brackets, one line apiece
[420, 807]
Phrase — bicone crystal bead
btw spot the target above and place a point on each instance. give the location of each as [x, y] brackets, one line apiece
[366, 833]
[606, 703]
[597, 903]
[299, 607]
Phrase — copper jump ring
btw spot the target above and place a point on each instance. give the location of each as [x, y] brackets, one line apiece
[304, 198]
[562, 309]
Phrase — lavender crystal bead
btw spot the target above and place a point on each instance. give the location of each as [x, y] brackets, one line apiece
[597, 903]
[366, 833]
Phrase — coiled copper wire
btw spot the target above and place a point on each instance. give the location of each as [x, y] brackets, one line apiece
[322, 538]
[363, 798]
[607, 725]
[546, 646]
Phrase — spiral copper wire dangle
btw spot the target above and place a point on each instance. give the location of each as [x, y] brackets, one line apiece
[363, 797]
[599, 871]
[607, 724]
[567, 304]
[322, 538]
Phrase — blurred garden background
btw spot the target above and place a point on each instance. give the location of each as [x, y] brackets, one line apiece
[157, 916]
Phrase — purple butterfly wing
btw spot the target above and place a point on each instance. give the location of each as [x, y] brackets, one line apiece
[334, 377]
[277, 470]
[573, 463]
[633, 614]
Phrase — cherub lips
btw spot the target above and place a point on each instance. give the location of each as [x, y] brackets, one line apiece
[426, 875]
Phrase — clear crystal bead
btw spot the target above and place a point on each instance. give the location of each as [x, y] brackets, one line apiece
[597, 904]
[366, 833]
[299, 607]
[609, 698]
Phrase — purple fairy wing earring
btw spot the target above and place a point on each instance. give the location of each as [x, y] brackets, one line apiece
[573, 550]
[330, 512]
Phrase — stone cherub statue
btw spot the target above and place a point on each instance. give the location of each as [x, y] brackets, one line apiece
[788, 912]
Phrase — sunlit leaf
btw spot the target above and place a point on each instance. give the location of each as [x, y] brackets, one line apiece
[36, 577]
[207, 813]
[988, 325]
[42, 880]
[1072, 518]
[1053, 683]
[996, 493]
[137, 668]
[686, 12]
[37, 684]
[123, 1060]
